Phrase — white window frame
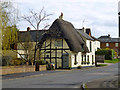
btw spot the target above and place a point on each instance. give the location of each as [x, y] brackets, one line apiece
[107, 44]
[116, 44]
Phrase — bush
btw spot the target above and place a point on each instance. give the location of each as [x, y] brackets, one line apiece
[17, 61]
[109, 54]
[6, 60]
[79, 67]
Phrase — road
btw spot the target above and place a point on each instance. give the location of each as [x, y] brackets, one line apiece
[66, 79]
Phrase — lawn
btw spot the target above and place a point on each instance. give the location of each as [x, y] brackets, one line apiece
[112, 61]
[101, 65]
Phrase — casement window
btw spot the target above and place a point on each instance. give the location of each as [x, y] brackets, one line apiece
[88, 58]
[85, 59]
[22, 56]
[107, 44]
[116, 44]
[58, 43]
[47, 57]
[75, 62]
[82, 59]
[93, 59]
[90, 46]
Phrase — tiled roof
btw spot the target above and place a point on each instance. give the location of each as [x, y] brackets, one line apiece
[24, 36]
[108, 39]
[84, 34]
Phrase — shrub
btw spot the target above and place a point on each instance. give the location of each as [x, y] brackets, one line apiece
[109, 54]
[17, 61]
[79, 67]
[70, 67]
[6, 60]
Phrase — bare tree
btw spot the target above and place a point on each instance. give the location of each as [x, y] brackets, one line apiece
[35, 19]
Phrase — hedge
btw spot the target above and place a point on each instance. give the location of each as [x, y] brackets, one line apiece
[109, 54]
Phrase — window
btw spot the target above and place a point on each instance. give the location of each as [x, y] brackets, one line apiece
[90, 46]
[92, 59]
[82, 60]
[47, 57]
[22, 56]
[88, 59]
[58, 43]
[116, 44]
[107, 44]
[75, 59]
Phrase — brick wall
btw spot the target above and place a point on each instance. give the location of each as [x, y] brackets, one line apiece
[20, 69]
[111, 46]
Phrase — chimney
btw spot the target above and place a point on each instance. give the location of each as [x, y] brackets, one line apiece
[84, 30]
[28, 28]
[88, 31]
[61, 16]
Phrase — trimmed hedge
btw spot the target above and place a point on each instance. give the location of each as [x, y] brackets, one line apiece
[109, 54]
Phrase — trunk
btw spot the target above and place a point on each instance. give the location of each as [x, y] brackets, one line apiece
[32, 63]
[35, 54]
[27, 63]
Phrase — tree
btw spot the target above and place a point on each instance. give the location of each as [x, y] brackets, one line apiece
[35, 19]
[8, 28]
[27, 46]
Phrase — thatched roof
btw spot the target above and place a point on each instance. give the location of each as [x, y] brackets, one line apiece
[59, 29]
[64, 29]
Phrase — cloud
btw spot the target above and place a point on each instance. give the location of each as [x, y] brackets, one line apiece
[101, 15]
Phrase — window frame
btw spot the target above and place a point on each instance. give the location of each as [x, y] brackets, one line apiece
[116, 44]
[107, 44]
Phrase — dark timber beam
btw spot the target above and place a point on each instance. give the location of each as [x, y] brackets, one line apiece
[56, 49]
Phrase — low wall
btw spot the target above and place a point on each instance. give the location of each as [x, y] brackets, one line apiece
[20, 69]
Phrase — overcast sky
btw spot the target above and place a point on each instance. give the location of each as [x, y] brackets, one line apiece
[99, 15]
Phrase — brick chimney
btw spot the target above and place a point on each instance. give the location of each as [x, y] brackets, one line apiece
[28, 28]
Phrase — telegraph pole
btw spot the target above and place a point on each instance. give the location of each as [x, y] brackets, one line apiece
[119, 19]
[119, 24]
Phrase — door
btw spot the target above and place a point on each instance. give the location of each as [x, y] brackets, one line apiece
[65, 61]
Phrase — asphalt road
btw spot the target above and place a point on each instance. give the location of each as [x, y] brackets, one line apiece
[66, 79]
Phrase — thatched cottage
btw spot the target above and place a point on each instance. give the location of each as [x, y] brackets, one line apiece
[64, 45]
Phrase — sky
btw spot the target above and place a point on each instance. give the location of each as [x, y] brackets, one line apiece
[99, 15]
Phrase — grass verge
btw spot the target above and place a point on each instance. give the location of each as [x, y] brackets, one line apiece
[112, 61]
[101, 65]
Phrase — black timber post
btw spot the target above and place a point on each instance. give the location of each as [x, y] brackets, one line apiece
[45, 51]
[50, 49]
[62, 53]
[55, 53]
